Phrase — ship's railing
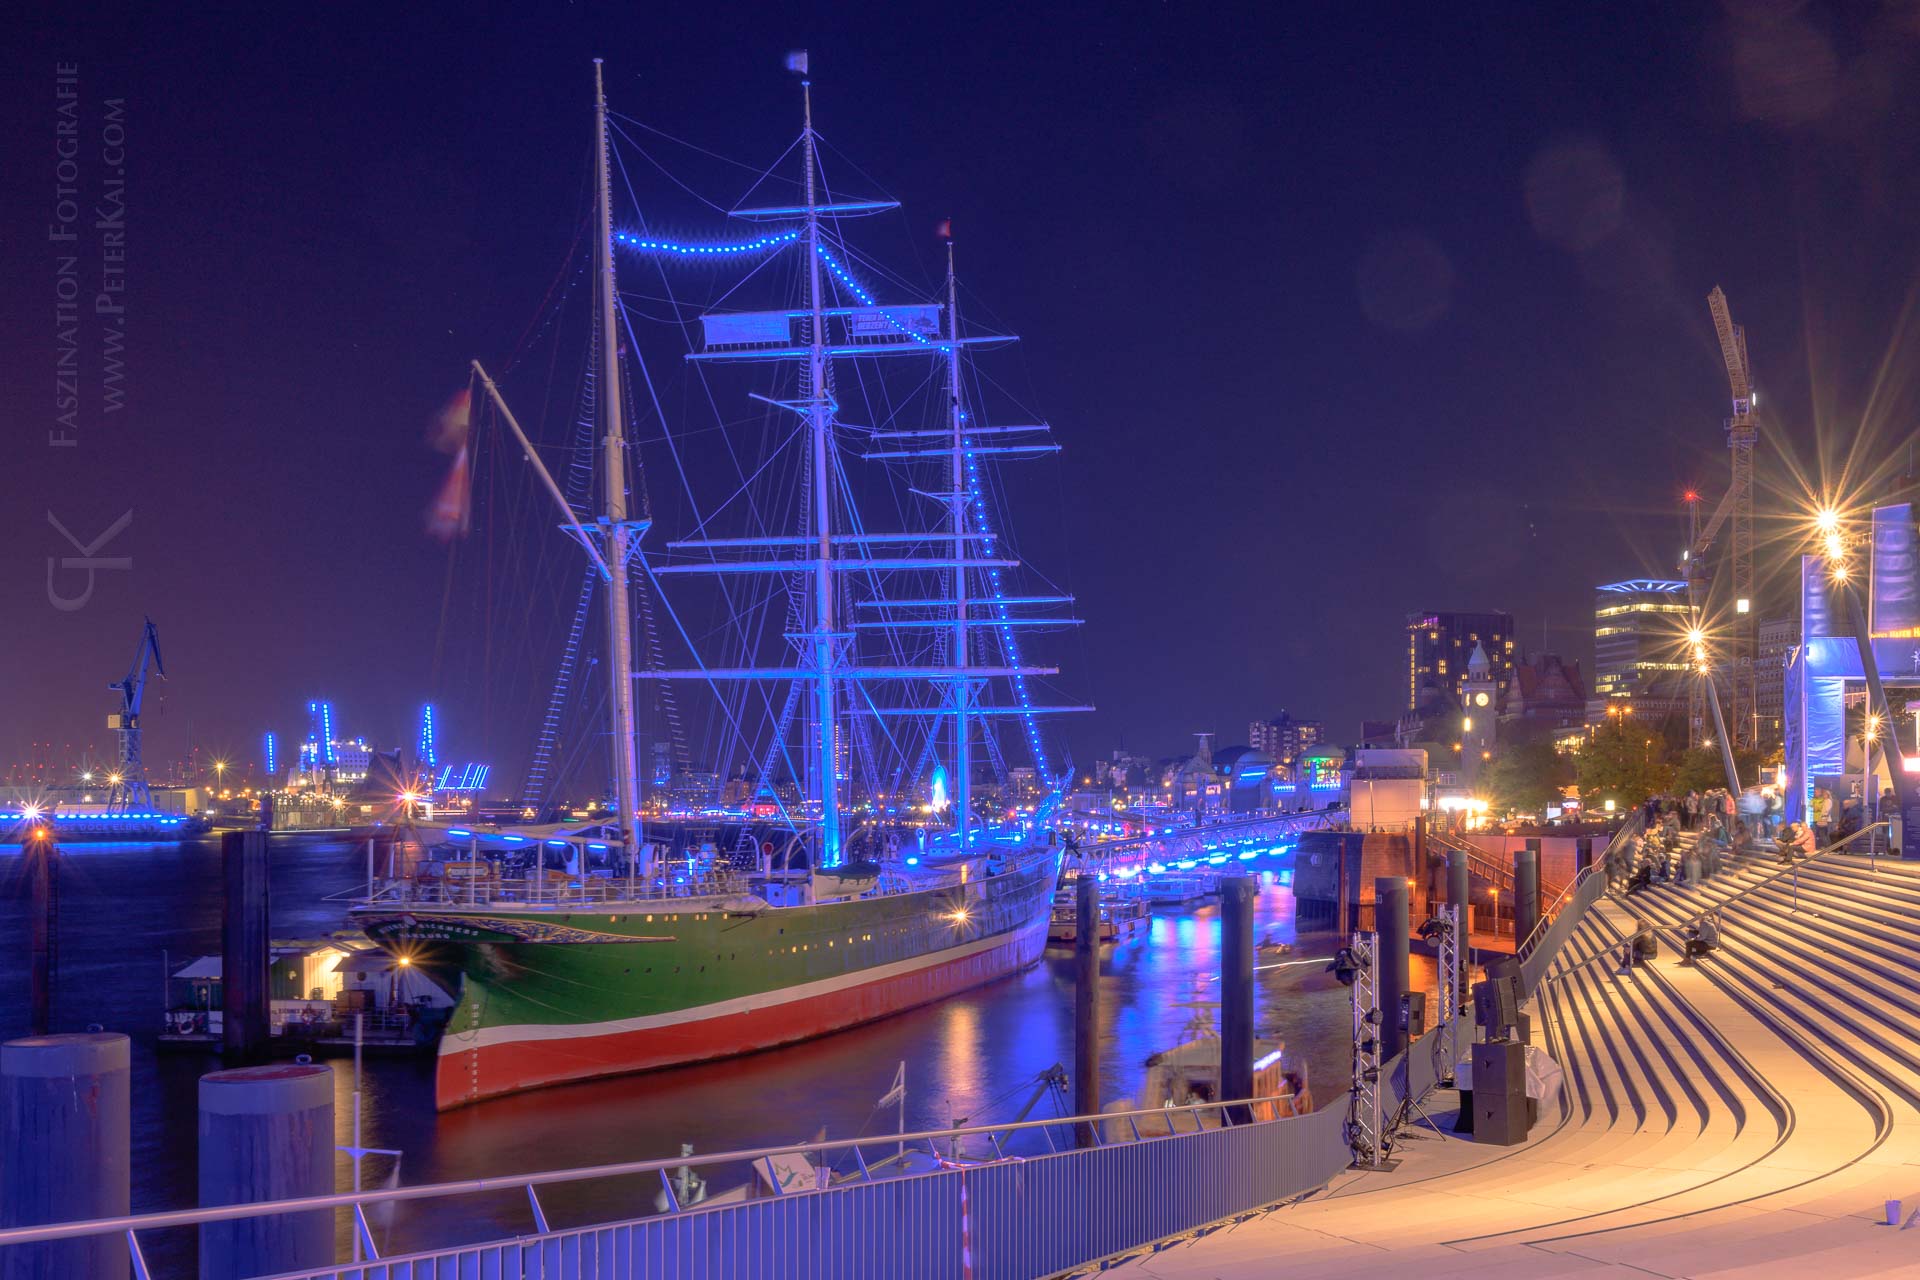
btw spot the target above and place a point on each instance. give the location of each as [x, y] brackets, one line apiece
[591, 892]
[545, 892]
[1137, 1177]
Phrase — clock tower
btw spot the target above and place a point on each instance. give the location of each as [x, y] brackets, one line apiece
[1479, 717]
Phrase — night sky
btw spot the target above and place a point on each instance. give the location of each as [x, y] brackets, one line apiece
[1341, 311]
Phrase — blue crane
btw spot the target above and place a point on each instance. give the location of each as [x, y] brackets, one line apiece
[128, 782]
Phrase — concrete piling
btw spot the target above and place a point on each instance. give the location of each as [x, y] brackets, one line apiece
[246, 1003]
[43, 910]
[65, 1130]
[1236, 992]
[1390, 919]
[1086, 1003]
[266, 1133]
[1459, 883]
[1526, 891]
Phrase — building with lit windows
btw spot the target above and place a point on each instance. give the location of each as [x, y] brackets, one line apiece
[1639, 654]
[1285, 738]
[1439, 646]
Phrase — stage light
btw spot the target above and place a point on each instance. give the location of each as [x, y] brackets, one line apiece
[1827, 521]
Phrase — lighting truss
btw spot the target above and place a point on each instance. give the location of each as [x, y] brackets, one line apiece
[1365, 1132]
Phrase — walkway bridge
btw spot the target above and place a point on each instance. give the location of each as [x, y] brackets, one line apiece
[1219, 846]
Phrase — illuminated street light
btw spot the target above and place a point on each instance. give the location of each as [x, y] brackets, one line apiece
[1836, 547]
[1827, 521]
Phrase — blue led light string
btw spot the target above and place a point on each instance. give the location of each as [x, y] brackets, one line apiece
[853, 287]
[642, 244]
[1007, 641]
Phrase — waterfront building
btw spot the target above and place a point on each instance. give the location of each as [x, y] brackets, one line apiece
[1546, 696]
[1246, 776]
[1285, 738]
[1439, 646]
[1639, 659]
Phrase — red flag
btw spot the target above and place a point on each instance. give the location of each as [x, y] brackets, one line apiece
[451, 514]
[945, 229]
[449, 431]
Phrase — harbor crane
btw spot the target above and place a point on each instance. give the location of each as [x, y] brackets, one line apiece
[1734, 513]
[128, 783]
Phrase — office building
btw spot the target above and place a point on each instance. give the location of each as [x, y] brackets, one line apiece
[1640, 647]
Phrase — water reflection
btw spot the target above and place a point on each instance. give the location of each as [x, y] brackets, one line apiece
[974, 1057]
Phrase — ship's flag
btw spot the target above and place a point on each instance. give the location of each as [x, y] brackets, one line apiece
[797, 62]
[449, 431]
[451, 514]
[944, 229]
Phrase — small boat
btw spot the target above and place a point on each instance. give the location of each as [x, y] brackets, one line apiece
[1179, 890]
[319, 990]
[1189, 1073]
[1124, 913]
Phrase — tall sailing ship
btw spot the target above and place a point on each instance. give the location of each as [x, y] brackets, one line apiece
[881, 669]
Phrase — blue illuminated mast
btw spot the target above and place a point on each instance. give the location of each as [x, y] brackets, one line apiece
[820, 424]
[618, 530]
[957, 523]
[939, 581]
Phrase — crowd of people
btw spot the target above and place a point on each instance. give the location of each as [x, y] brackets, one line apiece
[1723, 829]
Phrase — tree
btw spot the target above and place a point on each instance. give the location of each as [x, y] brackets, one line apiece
[1624, 762]
[1527, 777]
[1701, 769]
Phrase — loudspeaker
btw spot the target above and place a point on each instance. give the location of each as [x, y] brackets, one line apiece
[1500, 1093]
[1413, 1014]
[1496, 1005]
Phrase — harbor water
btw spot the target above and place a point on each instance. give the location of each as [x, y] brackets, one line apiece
[127, 911]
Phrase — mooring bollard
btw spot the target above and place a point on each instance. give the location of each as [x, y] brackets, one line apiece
[266, 1133]
[1086, 1003]
[1526, 892]
[64, 1151]
[1236, 993]
[1390, 921]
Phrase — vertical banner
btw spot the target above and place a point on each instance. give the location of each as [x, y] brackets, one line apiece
[1894, 607]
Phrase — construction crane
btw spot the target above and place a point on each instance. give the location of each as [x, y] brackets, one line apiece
[1735, 512]
[128, 790]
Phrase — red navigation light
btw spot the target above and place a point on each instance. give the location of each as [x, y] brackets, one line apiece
[1692, 495]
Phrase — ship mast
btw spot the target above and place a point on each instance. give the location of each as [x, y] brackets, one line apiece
[957, 516]
[626, 761]
[820, 423]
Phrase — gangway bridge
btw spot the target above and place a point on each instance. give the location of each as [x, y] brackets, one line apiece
[1211, 844]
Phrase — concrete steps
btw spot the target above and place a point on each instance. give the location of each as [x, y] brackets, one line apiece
[1746, 1115]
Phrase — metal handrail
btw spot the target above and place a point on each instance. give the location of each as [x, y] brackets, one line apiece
[135, 1223]
[1130, 844]
[1795, 863]
[1635, 823]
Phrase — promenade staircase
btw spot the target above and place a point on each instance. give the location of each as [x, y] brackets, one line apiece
[1750, 1113]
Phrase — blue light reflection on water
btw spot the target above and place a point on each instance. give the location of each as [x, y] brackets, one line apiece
[972, 1057]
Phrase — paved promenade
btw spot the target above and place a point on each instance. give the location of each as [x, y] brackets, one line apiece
[1749, 1115]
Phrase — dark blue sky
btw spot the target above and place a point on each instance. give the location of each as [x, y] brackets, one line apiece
[1340, 312]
